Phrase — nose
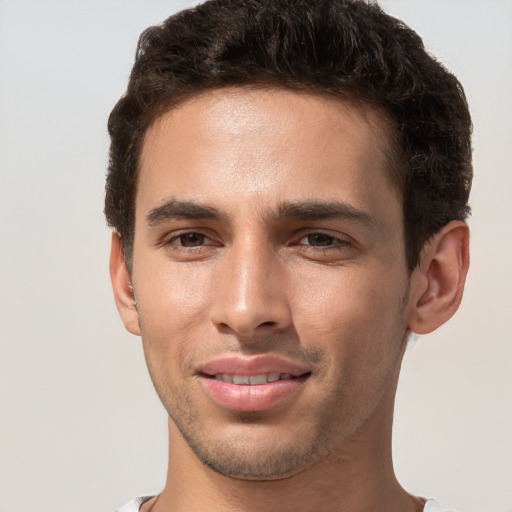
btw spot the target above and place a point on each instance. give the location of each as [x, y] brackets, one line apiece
[250, 295]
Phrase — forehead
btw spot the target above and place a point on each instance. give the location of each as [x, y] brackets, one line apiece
[265, 145]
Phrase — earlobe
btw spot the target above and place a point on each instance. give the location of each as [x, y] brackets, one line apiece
[122, 287]
[438, 281]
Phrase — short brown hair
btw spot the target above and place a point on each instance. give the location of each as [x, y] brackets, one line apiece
[342, 48]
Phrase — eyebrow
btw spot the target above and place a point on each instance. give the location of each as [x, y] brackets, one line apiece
[174, 210]
[320, 210]
[293, 210]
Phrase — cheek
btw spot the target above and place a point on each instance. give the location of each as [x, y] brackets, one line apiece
[359, 327]
[171, 293]
[173, 311]
[356, 315]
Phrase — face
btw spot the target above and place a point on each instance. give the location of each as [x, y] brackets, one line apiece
[270, 277]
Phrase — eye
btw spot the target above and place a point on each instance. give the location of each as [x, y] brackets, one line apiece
[188, 245]
[189, 239]
[322, 240]
[181, 241]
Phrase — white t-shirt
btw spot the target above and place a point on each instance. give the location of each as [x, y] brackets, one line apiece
[431, 505]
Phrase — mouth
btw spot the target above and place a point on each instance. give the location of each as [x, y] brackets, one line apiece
[253, 384]
[254, 380]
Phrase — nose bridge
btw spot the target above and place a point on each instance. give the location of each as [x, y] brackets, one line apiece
[252, 266]
[250, 294]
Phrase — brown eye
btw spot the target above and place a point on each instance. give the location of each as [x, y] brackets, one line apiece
[190, 239]
[320, 240]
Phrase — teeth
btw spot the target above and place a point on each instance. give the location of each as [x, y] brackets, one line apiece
[258, 379]
[244, 380]
[240, 379]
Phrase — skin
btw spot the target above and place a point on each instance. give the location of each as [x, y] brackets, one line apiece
[252, 272]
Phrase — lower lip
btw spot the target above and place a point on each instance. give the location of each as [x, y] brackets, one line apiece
[258, 397]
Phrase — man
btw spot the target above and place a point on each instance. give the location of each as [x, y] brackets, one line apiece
[287, 188]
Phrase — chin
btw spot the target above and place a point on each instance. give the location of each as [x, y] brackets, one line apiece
[251, 457]
[254, 466]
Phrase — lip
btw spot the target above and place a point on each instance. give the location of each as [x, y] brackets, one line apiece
[254, 365]
[251, 397]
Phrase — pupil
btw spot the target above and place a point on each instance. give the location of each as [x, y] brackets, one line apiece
[192, 239]
[319, 239]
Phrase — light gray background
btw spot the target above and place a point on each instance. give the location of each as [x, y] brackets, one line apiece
[80, 427]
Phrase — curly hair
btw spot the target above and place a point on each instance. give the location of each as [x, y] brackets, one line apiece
[347, 49]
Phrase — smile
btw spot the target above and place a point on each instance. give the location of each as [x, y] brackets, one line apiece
[245, 380]
[252, 384]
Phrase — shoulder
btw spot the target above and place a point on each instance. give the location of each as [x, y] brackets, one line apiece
[134, 505]
[431, 505]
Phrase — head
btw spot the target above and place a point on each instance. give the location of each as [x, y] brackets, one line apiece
[344, 49]
[287, 184]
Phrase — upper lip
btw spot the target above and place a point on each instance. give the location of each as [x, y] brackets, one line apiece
[253, 365]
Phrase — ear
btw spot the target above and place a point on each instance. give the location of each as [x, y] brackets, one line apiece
[437, 283]
[121, 284]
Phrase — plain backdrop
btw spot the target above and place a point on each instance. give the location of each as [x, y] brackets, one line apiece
[81, 428]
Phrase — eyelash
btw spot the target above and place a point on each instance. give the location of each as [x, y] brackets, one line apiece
[334, 243]
[172, 241]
